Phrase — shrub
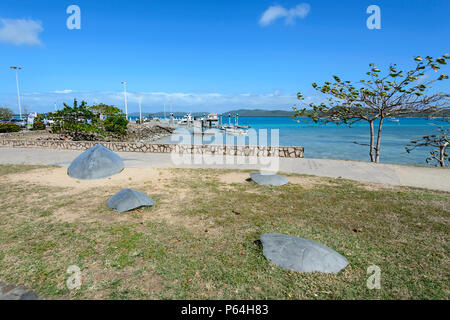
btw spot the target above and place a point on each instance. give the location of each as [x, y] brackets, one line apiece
[116, 124]
[38, 125]
[82, 122]
[77, 121]
[5, 113]
[9, 127]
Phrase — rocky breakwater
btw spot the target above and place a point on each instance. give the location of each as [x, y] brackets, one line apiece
[135, 133]
[147, 132]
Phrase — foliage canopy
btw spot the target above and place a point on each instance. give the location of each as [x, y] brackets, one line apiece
[84, 122]
[379, 96]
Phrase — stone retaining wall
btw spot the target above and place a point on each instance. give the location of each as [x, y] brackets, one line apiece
[282, 151]
[21, 133]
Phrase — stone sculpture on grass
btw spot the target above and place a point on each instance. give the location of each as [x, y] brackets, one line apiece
[268, 179]
[97, 162]
[128, 199]
[299, 254]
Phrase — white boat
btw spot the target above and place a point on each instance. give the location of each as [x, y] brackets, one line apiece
[393, 119]
[187, 120]
[212, 117]
[236, 132]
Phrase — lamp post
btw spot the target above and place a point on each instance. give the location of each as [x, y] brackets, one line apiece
[140, 110]
[125, 95]
[18, 92]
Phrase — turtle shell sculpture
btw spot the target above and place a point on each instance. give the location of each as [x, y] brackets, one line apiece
[268, 179]
[128, 199]
[299, 254]
[97, 162]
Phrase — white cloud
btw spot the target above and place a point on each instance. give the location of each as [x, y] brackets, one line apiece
[271, 14]
[154, 101]
[274, 13]
[20, 32]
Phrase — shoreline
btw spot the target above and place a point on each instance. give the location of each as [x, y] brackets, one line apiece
[163, 147]
[327, 142]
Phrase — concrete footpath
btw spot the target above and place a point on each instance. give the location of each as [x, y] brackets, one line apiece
[422, 177]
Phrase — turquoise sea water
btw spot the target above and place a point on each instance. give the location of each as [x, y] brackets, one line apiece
[337, 141]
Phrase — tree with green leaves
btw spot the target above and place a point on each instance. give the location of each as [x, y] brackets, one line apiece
[5, 113]
[82, 122]
[379, 96]
[106, 110]
[439, 141]
[115, 121]
[77, 120]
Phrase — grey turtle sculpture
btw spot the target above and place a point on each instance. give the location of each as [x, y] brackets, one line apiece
[301, 254]
[268, 179]
[128, 199]
[97, 162]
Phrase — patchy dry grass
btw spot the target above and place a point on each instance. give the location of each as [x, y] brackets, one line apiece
[197, 241]
[14, 168]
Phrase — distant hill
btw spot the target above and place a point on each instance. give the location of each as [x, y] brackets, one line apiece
[260, 113]
[443, 113]
[161, 114]
[267, 113]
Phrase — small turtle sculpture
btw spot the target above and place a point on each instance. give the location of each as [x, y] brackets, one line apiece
[299, 254]
[128, 199]
[268, 179]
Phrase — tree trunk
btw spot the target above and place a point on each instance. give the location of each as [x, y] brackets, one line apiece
[372, 147]
[377, 149]
[442, 155]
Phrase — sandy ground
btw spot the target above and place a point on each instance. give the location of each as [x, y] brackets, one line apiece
[132, 177]
[57, 177]
[388, 174]
[307, 182]
[84, 200]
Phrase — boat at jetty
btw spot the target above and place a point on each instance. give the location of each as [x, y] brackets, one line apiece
[236, 131]
[187, 120]
[213, 121]
[233, 129]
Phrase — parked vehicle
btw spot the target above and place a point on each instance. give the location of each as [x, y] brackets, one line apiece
[20, 122]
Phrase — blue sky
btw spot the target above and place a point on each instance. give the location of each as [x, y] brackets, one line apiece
[205, 55]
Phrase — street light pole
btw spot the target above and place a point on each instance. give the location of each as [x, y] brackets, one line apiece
[140, 110]
[125, 95]
[18, 92]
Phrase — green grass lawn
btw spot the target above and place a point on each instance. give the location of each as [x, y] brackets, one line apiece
[193, 245]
